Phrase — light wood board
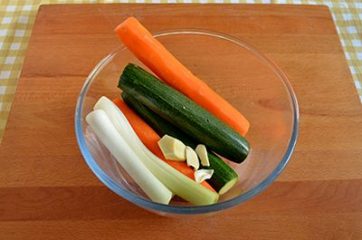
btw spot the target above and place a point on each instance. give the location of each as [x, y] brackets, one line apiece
[48, 192]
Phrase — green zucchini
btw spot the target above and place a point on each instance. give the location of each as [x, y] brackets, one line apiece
[184, 113]
[224, 176]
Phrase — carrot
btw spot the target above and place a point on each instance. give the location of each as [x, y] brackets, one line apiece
[150, 138]
[156, 57]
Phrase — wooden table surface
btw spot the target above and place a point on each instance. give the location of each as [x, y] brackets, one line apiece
[48, 192]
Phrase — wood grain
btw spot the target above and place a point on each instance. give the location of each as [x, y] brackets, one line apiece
[48, 192]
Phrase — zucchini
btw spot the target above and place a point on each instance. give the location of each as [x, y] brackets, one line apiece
[184, 113]
[224, 176]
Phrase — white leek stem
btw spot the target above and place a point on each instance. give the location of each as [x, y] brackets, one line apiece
[116, 144]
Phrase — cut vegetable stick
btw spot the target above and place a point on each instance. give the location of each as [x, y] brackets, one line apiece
[114, 142]
[150, 138]
[156, 57]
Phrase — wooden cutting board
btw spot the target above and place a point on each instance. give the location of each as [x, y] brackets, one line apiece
[48, 192]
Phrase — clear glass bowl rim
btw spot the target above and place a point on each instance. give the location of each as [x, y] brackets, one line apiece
[148, 204]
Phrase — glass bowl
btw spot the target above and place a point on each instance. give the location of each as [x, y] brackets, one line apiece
[239, 73]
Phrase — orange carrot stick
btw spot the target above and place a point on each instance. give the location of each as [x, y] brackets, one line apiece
[155, 56]
[150, 138]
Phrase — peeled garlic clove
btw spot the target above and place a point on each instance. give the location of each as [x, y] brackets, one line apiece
[202, 153]
[203, 174]
[172, 148]
[191, 158]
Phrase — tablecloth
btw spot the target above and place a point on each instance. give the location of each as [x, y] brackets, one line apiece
[17, 18]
